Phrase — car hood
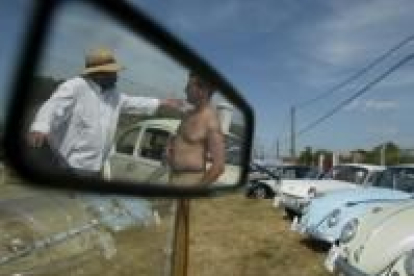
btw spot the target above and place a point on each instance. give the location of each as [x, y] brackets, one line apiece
[349, 200]
[391, 228]
[301, 188]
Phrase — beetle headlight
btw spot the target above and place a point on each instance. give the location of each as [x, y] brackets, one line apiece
[305, 209]
[333, 218]
[349, 231]
[409, 263]
[312, 192]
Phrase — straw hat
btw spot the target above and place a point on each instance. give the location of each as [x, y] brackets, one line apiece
[101, 60]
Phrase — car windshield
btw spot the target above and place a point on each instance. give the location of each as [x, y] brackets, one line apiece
[294, 172]
[397, 178]
[303, 172]
[350, 174]
[314, 174]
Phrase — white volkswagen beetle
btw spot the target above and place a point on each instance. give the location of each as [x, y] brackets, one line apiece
[138, 154]
[381, 242]
[296, 194]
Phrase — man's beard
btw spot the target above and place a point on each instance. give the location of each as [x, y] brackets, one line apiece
[107, 85]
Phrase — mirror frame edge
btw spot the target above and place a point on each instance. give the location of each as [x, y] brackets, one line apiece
[137, 22]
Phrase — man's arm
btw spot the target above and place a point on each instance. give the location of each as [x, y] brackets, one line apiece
[52, 113]
[216, 149]
[145, 105]
[169, 150]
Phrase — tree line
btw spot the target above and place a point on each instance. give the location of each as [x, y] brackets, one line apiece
[389, 153]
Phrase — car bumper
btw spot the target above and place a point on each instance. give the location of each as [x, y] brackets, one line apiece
[342, 267]
[315, 234]
[294, 204]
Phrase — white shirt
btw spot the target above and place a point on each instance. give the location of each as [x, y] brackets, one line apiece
[81, 120]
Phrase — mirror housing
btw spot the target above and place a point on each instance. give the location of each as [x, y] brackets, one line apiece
[139, 24]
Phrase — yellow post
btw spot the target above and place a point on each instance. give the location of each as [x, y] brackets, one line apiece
[181, 238]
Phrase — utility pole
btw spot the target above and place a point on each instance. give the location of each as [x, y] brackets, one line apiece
[277, 150]
[382, 154]
[292, 133]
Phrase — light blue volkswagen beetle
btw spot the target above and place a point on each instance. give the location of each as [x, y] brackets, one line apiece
[326, 216]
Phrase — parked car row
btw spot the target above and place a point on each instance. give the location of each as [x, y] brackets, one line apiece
[295, 195]
[265, 182]
[368, 223]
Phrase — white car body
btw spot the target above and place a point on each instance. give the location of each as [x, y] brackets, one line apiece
[295, 195]
[379, 243]
[271, 182]
[138, 154]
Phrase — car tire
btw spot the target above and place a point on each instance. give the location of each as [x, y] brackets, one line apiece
[260, 192]
[290, 214]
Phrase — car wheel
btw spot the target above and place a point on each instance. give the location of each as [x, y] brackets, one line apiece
[290, 214]
[260, 192]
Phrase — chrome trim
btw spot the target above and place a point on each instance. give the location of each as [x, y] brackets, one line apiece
[342, 266]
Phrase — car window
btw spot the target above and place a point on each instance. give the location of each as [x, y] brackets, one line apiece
[288, 174]
[385, 180]
[372, 177]
[153, 143]
[233, 151]
[405, 181]
[126, 143]
[349, 174]
[301, 172]
[397, 178]
[313, 174]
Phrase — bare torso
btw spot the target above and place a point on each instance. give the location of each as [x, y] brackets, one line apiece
[188, 151]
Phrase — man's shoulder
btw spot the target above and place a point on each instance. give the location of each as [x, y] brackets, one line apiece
[75, 81]
[211, 117]
[211, 112]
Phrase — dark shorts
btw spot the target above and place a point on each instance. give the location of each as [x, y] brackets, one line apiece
[186, 179]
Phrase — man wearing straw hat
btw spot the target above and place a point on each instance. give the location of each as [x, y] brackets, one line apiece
[79, 120]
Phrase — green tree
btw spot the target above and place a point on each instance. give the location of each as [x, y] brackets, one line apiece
[306, 156]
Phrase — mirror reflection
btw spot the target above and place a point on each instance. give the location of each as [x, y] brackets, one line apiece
[107, 104]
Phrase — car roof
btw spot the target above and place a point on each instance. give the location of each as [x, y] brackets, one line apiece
[170, 123]
[293, 166]
[402, 166]
[369, 167]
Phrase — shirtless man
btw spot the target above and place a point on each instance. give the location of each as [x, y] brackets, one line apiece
[199, 139]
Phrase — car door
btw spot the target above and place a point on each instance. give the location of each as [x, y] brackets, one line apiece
[122, 162]
[149, 160]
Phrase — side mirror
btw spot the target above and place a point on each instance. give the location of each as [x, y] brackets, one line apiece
[70, 127]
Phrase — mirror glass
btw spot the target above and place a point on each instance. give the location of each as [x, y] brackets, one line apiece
[106, 103]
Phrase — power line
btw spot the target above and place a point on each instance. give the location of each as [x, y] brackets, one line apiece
[357, 74]
[284, 125]
[356, 95]
[347, 81]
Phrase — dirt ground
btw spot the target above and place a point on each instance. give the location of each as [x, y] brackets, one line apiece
[229, 235]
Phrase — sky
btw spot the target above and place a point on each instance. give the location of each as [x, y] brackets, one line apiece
[278, 55]
[14, 18]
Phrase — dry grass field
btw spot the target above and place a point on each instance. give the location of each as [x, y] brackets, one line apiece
[247, 237]
[229, 236]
